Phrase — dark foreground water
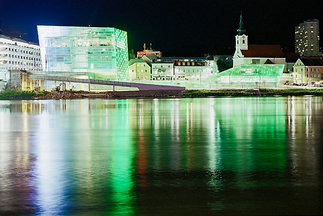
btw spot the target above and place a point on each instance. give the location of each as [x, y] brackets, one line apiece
[230, 155]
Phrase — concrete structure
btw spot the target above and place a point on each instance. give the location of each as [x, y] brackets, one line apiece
[308, 70]
[20, 80]
[99, 51]
[139, 70]
[307, 39]
[17, 54]
[140, 86]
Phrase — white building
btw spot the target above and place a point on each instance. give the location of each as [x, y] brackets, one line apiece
[162, 70]
[183, 68]
[17, 54]
[246, 54]
[192, 70]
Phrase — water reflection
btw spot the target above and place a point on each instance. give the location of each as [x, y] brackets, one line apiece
[123, 157]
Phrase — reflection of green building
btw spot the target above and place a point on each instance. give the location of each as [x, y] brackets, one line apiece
[101, 51]
[251, 75]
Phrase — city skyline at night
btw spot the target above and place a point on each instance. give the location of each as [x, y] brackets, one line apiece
[181, 28]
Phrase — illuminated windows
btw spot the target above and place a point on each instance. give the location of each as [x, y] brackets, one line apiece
[95, 50]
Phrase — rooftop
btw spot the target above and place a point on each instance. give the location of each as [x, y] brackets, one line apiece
[133, 61]
[16, 39]
[181, 59]
[255, 50]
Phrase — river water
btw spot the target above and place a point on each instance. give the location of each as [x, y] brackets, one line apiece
[190, 156]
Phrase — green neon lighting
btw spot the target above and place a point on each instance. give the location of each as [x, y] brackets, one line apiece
[264, 75]
[98, 50]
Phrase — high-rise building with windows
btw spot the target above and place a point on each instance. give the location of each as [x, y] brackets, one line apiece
[99, 51]
[307, 38]
[17, 54]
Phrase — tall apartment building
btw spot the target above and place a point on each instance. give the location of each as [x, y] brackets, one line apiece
[307, 38]
[17, 54]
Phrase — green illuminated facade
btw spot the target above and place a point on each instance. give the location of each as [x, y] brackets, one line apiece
[251, 75]
[101, 52]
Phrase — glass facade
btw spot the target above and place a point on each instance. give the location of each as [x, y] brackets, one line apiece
[251, 75]
[101, 52]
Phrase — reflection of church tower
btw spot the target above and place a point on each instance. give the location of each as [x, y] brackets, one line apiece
[241, 43]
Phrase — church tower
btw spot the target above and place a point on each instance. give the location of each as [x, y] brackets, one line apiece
[241, 43]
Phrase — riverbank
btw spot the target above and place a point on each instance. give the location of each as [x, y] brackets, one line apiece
[253, 92]
[182, 94]
[28, 95]
[13, 94]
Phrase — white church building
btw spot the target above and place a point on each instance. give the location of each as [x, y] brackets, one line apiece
[246, 54]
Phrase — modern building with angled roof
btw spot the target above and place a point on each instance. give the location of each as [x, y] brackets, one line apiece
[98, 51]
[264, 75]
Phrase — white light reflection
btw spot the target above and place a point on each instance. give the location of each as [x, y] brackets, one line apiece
[49, 173]
[214, 145]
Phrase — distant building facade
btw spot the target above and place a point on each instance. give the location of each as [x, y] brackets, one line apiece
[261, 54]
[21, 80]
[307, 39]
[17, 54]
[101, 51]
[308, 70]
[139, 70]
[183, 68]
[149, 52]
[162, 69]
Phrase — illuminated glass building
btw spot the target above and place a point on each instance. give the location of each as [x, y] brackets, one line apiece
[251, 75]
[101, 52]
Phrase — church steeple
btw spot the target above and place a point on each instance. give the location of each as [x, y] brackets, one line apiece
[241, 44]
[241, 30]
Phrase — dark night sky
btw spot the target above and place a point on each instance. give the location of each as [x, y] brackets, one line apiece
[178, 28]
